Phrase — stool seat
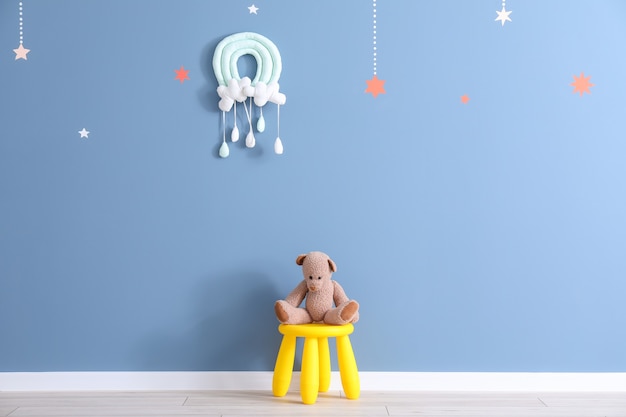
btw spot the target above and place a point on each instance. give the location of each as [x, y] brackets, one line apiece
[315, 374]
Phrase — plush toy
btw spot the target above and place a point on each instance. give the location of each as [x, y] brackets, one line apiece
[320, 293]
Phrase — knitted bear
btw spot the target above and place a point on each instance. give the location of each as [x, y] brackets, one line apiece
[321, 292]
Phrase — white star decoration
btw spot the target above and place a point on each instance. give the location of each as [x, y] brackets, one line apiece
[253, 9]
[20, 52]
[503, 15]
[84, 133]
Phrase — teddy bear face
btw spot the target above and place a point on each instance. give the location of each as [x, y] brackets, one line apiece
[317, 269]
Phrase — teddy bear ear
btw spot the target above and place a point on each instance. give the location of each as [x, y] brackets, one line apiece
[300, 259]
[332, 265]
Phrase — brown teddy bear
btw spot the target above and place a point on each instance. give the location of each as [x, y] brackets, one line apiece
[320, 292]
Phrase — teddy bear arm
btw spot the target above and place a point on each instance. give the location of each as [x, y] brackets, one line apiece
[339, 295]
[296, 296]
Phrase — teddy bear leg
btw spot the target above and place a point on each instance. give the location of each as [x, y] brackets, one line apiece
[288, 314]
[347, 312]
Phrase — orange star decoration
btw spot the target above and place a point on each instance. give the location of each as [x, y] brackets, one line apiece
[375, 86]
[181, 74]
[581, 84]
[465, 99]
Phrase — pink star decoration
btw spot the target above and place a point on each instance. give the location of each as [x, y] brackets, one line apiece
[20, 52]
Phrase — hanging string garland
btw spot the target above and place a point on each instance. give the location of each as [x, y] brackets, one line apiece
[375, 86]
[21, 52]
[233, 89]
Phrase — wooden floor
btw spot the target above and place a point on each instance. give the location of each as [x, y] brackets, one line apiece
[331, 404]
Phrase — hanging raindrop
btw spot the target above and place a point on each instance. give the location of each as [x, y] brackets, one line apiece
[250, 141]
[234, 135]
[224, 151]
[260, 124]
[278, 146]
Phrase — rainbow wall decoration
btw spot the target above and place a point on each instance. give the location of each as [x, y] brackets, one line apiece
[233, 89]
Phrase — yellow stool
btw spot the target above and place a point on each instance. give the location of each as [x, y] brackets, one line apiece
[315, 374]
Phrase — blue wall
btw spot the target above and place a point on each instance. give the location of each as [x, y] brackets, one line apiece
[485, 236]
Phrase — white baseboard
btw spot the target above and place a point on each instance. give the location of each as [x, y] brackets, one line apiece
[370, 381]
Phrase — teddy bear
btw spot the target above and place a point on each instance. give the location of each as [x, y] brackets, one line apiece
[320, 292]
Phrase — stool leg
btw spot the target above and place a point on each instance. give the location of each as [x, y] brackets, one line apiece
[347, 368]
[284, 366]
[309, 377]
[324, 352]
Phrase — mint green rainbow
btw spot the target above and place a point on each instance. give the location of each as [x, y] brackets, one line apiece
[231, 48]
